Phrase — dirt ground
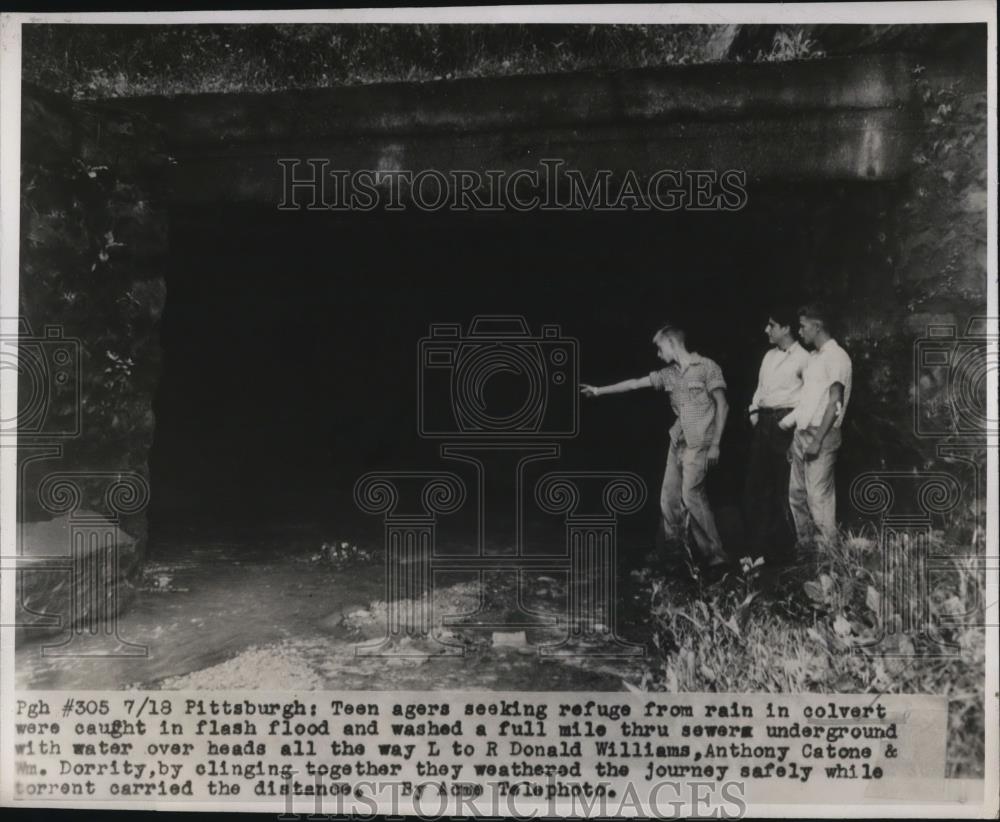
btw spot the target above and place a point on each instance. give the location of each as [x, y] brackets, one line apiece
[224, 617]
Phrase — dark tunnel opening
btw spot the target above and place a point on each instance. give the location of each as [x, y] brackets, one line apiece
[291, 339]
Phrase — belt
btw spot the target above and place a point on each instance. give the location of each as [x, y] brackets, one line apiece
[781, 411]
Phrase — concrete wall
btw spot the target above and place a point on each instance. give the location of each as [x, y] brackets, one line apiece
[838, 119]
[91, 290]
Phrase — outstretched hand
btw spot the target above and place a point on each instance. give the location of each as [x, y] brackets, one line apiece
[588, 390]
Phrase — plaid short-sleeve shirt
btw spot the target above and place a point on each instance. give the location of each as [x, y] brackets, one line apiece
[690, 392]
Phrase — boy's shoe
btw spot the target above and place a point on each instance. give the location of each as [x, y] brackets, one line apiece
[717, 571]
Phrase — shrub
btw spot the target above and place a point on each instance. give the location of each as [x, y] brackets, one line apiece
[816, 628]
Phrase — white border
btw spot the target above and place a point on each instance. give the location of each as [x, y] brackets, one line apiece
[922, 11]
[992, 684]
[10, 226]
[890, 12]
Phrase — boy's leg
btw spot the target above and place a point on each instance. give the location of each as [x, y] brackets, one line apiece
[821, 489]
[798, 499]
[694, 462]
[755, 493]
[671, 501]
[781, 528]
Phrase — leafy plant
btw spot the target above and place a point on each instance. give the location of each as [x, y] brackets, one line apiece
[830, 626]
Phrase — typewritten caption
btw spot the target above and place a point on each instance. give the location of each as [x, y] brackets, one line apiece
[398, 749]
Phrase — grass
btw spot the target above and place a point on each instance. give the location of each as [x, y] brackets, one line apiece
[817, 628]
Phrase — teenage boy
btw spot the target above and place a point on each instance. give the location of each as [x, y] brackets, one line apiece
[698, 397]
[817, 420]
[769, 528]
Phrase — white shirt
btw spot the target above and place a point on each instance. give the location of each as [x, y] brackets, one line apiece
[827, 365]
[780, 379]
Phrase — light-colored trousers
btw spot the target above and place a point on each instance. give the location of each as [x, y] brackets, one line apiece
[684, 500]
[812, 495]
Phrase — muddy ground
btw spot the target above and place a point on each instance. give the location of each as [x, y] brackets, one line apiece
[223, 615]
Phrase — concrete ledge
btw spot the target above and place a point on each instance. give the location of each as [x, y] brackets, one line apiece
[714, 91]
[856, 145]
[834, 119]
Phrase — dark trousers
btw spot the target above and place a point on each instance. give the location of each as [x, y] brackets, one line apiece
[769, 529]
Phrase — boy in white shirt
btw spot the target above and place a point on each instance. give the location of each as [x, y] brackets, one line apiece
[769, 528]
[817, 420]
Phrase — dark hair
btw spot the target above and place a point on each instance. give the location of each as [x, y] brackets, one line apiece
[815, 311]
[784, 315]
[670, 330]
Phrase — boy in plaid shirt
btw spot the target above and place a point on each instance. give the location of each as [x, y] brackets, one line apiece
[697, 392]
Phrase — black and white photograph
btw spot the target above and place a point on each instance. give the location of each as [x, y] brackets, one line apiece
[546, 395]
